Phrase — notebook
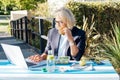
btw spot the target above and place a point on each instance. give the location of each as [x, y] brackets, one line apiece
[15, 56]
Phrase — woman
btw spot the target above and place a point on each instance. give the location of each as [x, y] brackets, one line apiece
[65, 39]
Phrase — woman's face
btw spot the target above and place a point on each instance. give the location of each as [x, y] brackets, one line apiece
[60, 24]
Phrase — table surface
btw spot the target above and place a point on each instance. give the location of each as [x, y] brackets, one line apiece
[103, 71]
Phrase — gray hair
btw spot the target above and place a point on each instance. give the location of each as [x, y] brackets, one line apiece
[67, 16]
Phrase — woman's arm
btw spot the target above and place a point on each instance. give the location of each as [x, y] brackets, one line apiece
[77, 47]
[43, 56]
[73, 47]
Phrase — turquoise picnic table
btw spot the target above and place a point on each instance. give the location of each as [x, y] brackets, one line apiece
[92, 71]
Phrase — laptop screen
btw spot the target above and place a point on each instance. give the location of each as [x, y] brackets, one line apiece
[14, 55]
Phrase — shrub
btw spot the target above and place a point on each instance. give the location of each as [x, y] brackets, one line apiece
[111, 45]
[40, 11]
[92, 36]
[104, 13]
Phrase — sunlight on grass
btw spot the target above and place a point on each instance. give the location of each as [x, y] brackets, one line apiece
[3, 28]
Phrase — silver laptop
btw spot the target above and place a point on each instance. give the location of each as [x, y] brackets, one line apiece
[15, 56]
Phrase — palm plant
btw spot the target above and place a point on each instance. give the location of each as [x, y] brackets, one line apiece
[111, 46]
[92, 40]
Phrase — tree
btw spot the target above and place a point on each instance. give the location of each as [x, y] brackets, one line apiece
[8, 5]
[5, 3]
[27, 4]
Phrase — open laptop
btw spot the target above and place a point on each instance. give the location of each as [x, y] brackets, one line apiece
[15, 56]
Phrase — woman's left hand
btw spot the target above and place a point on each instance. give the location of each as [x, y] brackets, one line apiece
[68, 34]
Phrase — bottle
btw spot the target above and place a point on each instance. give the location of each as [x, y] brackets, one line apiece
[50, 62]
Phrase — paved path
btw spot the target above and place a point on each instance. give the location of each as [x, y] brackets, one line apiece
[4, 34]
[27, 50]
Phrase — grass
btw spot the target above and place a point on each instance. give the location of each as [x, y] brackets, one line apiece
[3, 28]
[4, 24]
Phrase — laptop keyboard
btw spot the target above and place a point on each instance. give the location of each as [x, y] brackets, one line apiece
[30, 64]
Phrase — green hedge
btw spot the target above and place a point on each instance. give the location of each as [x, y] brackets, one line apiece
[104, 13]
[42, 11]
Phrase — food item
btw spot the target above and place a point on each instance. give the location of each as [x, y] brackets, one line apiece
[64, 57]
[63, 60]
[61, 30]
[82, 62]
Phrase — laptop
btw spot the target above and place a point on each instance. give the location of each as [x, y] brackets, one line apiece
[15, 56]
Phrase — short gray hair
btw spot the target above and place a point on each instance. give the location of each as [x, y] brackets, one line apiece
[67, 16]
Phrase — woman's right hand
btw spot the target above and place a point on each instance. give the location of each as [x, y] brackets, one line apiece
[35, 58]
